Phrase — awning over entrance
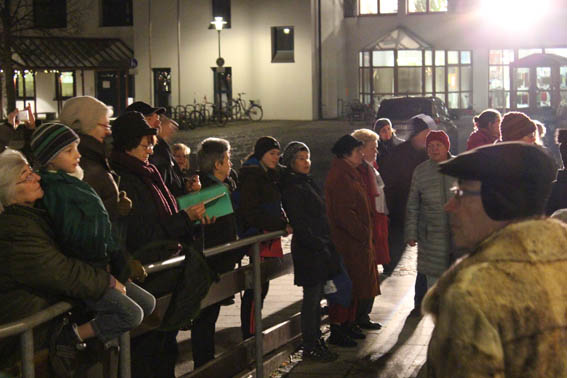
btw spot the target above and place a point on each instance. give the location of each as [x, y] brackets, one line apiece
[398, 39]
[34, 53]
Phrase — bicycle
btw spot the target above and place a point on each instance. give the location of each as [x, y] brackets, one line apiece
[238, 109]
[201, 114]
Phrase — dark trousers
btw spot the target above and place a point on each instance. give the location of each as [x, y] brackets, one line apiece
[420, 289]
[154, 355]
[311, 315]
[247, 320]
[363, 310]
[203, 335]
[397, 246]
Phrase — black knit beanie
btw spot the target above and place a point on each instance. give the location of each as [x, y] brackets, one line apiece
[265, 144]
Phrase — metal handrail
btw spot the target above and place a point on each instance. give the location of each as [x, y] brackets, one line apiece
[25, 326]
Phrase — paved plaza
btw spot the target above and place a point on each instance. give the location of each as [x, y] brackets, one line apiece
[397, 350]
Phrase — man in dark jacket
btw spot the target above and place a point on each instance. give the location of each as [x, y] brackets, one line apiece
[397, 170]
[388, 139]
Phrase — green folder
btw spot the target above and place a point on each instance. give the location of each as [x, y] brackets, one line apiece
[216, 199]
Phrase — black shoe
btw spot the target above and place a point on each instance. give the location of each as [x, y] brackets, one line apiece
[323, 345]
[354, 331]
[227, 302]
[319, 354]
[340, 338]
[64, 349]
[370, 325]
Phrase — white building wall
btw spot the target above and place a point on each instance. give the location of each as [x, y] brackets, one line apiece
[285, 90]
[343, 39]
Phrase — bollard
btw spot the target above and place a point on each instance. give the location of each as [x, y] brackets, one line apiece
[125, 371]
[28, 369]
[258, 311]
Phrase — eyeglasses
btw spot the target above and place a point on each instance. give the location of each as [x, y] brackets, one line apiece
[459, 193]
[148, 146]
[30, 176]
[105, 125]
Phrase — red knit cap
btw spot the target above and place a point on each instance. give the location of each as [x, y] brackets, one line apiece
[515, 126]
[438, 135]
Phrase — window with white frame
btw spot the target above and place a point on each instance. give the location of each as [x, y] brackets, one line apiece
[427, 6]
[499, 79]
[377, 7]
[420, 72]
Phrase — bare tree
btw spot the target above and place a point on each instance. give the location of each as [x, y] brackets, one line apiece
[17, 20]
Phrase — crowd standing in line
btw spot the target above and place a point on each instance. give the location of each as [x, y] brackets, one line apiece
[131, 200]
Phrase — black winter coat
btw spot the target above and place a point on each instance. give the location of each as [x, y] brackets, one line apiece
[170, 172]
[558, 198]
[260, 199]
[223, 231]
[143, 225]
[315, 259]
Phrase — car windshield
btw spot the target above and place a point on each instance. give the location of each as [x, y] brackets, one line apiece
[404, 108]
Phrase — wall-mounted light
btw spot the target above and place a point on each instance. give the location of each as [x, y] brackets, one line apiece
[286, 30]
[219, 23]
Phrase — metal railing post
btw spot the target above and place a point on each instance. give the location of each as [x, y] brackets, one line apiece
[26, 339]
[258, 311]
[125, 369]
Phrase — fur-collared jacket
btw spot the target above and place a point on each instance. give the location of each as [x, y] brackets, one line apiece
[502, 310]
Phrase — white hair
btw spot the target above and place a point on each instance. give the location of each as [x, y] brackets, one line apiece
[11, 164]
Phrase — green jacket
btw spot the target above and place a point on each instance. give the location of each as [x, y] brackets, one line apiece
[34, 273]
[80, 221]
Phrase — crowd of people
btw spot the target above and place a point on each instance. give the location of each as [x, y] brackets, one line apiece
[81, 217]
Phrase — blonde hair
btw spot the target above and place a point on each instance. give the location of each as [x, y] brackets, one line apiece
[181, 147]
[365, 135]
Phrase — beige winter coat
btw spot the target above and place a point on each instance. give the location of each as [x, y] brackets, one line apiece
[502, 310]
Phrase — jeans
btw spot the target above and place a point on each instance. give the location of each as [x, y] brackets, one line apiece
[311, 315]
[117, 313]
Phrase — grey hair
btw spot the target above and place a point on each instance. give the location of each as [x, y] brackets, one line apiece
[82, 113]
[11, 164]
[181, 147]
[365, 135]
[209, 152]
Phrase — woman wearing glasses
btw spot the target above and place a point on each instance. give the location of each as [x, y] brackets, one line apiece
[90, 118]
[427, 224]
[155, 227]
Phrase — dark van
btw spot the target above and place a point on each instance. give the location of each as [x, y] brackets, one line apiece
[399, 110]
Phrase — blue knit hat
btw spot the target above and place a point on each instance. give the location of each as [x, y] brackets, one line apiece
[50, 139]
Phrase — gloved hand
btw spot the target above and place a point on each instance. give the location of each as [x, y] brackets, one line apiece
[137, 271]
[124, 204]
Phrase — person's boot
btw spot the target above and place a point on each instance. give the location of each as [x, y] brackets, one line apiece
[340, 337]
[65, 346]
[354, 331]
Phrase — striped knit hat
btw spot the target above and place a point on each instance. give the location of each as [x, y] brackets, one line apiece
[50, 139]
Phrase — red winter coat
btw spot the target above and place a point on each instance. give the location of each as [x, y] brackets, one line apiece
[351, 227]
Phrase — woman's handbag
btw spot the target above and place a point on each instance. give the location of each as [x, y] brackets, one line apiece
[338, 290]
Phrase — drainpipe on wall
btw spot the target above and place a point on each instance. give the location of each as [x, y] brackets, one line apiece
[319, 63]
[178, 52]
[150, 47]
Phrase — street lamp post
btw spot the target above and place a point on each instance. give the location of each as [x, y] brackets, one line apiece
[219, 24]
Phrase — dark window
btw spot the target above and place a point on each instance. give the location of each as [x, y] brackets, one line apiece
[25, 86]
[65, 85]
[50, 13]
[221, 8]
[162, 87]
[282, 44]
[117, 13]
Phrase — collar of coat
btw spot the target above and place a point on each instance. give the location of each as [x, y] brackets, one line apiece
[533, 241]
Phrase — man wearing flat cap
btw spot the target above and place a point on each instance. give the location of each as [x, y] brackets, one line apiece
[501, 311]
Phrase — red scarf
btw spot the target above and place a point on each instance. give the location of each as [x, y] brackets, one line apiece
[163, 199]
